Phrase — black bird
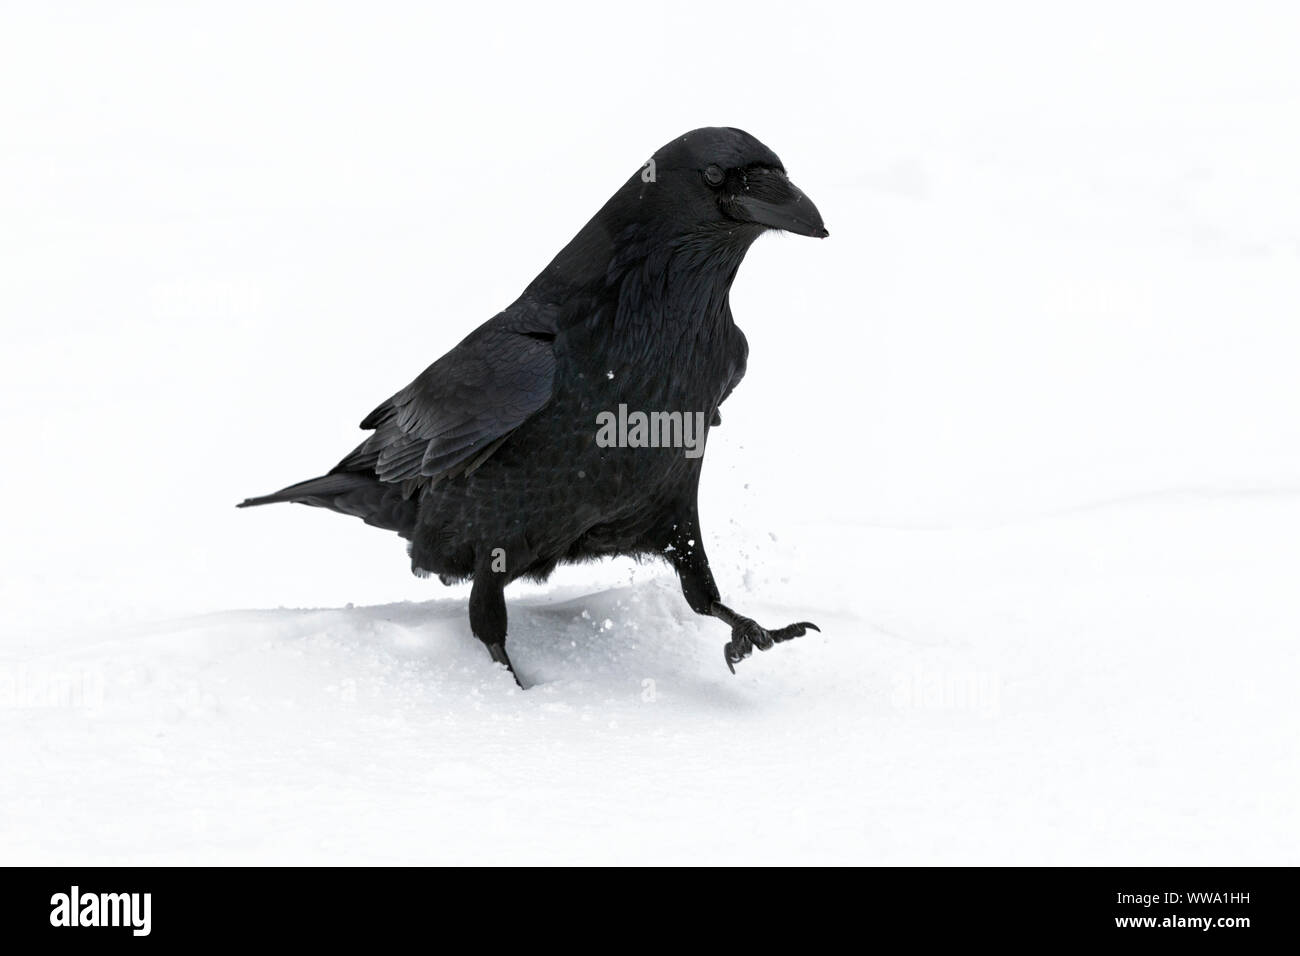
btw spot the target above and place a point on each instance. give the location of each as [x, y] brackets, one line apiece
[491, 463]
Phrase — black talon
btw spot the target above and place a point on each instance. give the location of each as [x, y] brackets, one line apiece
[794, 630]
[748, 634]
[735, 651]
[498, 653]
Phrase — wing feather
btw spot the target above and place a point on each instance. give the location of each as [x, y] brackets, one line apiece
[462, 407]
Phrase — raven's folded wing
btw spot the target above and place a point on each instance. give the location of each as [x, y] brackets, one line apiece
[463, 406]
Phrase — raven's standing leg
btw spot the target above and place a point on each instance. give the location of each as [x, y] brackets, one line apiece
[487, 613]
[686, 553]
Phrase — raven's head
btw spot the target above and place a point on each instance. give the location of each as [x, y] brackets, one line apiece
[719, 178]
[708, 195]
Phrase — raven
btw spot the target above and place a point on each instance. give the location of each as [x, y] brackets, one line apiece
[488, 463]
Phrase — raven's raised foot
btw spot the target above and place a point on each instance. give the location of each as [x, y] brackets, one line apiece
[747, 634]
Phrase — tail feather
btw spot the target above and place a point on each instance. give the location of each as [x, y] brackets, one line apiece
[325, 486]
[363, 496]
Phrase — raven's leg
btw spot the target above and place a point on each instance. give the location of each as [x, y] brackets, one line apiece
[487, 614]
[686, 553]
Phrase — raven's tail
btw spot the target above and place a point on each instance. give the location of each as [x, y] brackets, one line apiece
[326, 486]
[363, 496]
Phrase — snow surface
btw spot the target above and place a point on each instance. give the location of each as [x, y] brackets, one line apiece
[1021, 437]
[1108, 686]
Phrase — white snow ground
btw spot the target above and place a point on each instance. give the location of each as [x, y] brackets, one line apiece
[1114, 685]
[1021, 436]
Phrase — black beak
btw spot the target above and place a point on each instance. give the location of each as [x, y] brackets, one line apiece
[767, 197]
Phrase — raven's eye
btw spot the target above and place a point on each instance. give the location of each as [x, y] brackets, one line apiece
[713, 175]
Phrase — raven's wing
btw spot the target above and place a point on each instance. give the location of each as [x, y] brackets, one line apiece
[463, 406]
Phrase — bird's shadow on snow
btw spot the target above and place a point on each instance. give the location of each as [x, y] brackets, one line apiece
[641, 636]
[639, 642]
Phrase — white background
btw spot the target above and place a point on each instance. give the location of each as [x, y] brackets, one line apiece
[1022, 436]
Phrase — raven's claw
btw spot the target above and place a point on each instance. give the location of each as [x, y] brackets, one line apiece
[498, 652]
[747, 634]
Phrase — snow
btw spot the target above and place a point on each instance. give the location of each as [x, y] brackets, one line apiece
[1106, 687]
[1020, 437]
